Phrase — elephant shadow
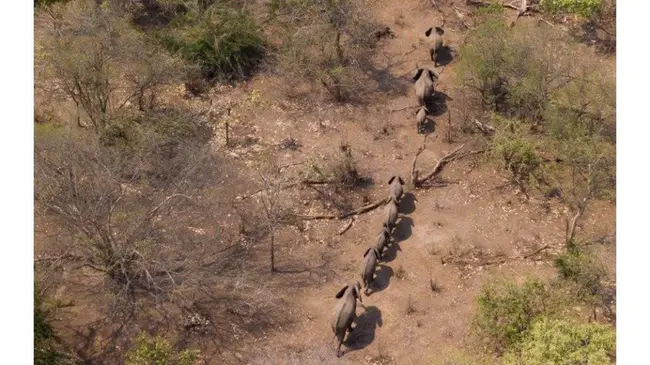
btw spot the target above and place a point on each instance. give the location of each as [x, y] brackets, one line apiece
[382, 279]
[390, 253]
[402, 230]
[444, 56]
[437, 105]
[364, 332]
[407, 204]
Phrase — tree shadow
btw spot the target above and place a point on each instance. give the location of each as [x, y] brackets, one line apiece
[444, 56]
[390, 253]
[364, 332]
[387, 82]
[407, 204]
[402, 230]
[382, 279]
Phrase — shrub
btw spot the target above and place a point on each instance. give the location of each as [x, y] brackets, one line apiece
[555, 341]
[328, 42]
[158, 351]
[224, 42]
[517, 152]
[585, 8]
[583, 269]
[506, 311]
[340, 170]
[512, 71]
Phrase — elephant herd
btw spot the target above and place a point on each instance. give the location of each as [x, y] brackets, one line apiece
[344, 313]
[345, 310]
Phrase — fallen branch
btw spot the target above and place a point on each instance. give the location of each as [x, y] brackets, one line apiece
[545, 247]
[365, 209]
[406, 107]
[347, 226]
[441, 163]
[484, 128]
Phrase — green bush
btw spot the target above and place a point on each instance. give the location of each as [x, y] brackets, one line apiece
[506, 311]
[585, 8]
[224, 42]
[149, 350]
[583, 269]
[555, 341]
[518, 153]
[512, 70]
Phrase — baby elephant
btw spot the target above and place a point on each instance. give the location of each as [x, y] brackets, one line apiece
[434, 40]
[424, 85]
[421, 118]
[382, 239]
[370, 258]
[345, 312]
[391, 210]
[396, 189]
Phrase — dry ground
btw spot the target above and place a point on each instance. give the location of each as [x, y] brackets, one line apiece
[478, 214]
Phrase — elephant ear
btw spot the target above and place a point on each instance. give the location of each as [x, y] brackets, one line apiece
[428, 32]
[399, 177]
[391, 180]
[440, 31]
[417, 74]
[341, 292]
[368, 250]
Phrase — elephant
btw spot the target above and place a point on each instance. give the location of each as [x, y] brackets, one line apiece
[424, 85]
[345, 312]
[421, 118]
[396, 187]
[391, 210]
[382, 239]
[434, 38]
[370, 258]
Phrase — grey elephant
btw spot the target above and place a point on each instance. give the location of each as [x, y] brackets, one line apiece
[423, 86]
[382, 239]
[421, 118]
[396, 188]
[391, 211]
[370, 258]
[434, 41]
[345, 312]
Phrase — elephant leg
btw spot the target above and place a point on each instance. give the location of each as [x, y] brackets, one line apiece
[340, 341]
